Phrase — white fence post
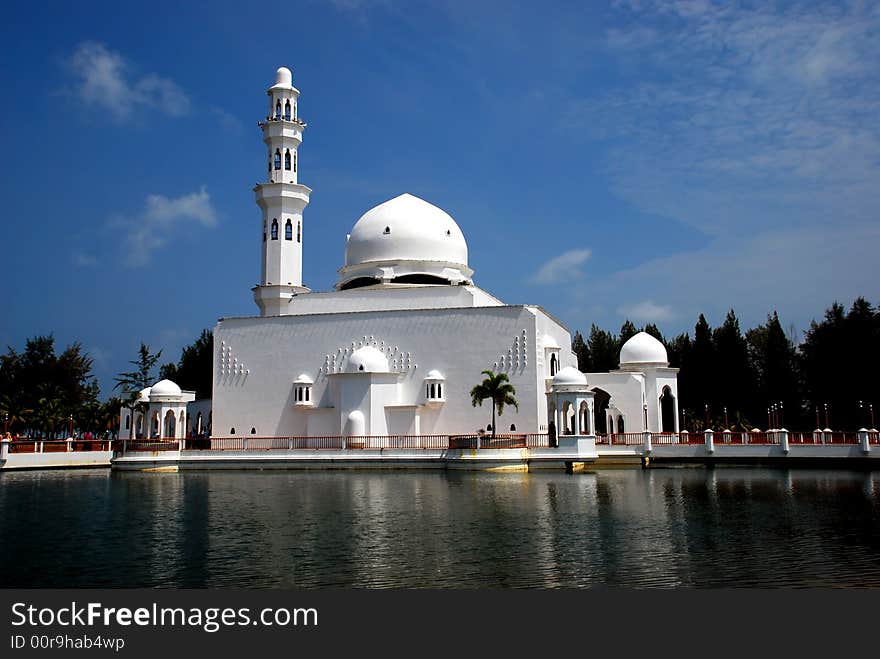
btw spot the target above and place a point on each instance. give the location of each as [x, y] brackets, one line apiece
[647, 436]
[863, 440]
[710, 444]
[4, 449]
[783, 440]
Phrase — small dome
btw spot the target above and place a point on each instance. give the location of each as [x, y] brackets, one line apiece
[367, 360]
[569, 375]
[144, 394]
[165, 388]
[283, 77]
[434, 374]
[302, 378]
[643, 349]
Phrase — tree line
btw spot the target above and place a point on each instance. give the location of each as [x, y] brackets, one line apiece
[49, 395]
[764, 377]
[727, 377]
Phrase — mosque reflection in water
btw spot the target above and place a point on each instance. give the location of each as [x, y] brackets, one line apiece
[627, 527]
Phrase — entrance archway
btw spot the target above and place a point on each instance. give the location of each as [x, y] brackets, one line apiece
[667, 410]
[170, 424]
[600, 410]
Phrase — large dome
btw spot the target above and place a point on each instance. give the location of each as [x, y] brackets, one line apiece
[643, 349]
[405, 240]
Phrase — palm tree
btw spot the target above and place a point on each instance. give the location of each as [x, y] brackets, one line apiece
[497, 387]
[12, 412]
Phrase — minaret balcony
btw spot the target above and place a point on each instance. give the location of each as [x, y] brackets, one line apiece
[282, 129]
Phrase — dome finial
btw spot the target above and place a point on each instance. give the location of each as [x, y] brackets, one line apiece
[284, 77]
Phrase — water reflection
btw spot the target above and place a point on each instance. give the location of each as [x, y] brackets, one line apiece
[653, 528]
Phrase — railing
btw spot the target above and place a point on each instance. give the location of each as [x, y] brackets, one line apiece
[432, 442]
[628, 438]
[150, 445]
[538, 440]
[59, 445]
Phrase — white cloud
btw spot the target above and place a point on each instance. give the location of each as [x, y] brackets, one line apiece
[647, 311]
[227, 120]
[755, 124]
[159, 220]
[102, 79]
[565, 267]
[82, 259]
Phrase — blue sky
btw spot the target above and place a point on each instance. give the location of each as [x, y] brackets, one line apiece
[641, 159]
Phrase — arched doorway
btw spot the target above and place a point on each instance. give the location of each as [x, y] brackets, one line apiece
[355, 424]
[170, 424]
[601, 399]
[567, 418]
[667, 410]
[584, 414]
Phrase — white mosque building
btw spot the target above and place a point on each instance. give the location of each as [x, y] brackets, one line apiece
[397, 346]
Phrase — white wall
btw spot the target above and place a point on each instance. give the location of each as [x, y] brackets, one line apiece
[273, 351]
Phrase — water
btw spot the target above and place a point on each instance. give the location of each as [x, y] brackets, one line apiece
[289, 529]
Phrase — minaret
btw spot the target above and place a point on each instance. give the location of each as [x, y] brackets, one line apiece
[282, 201]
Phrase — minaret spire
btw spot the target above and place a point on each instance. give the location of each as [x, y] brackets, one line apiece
[282, 200]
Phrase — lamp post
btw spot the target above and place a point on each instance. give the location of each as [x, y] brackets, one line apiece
[781, 421]
[871, 410]
[726, 424]
[826, 416]
[861, 415]
[770, 417]
[5, 424]
[707, 415]
[818, 423]
[70, 425]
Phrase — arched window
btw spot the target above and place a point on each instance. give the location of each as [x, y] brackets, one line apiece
[427, 391]
[287, 110]
[127, 422]
[439, 390]
[264, 230]
[433, 391]
[294, 161]
[232, 430]
[277, 159]
[253, 431]
[288, 231]
[553, 365]
[299, 232]
[274, 229]
[287, 159]
[308, 395]
[512, 427]
[278, 110]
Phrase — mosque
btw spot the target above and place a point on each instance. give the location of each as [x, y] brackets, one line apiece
[396, 347]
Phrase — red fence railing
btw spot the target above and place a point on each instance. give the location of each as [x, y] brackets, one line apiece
[433, 442]
[59, 445]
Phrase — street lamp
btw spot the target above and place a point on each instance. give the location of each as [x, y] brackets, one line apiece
[871, 410]
[827, 425]
[726, 424]
[781, 421]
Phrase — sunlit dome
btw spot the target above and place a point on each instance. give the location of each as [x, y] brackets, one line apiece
[568, 376]
[302, 378]
[434, 374]
[283, 78]
[165, 388]
[144, 394]
[367, 360]
[643, 349]
[405, 240]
